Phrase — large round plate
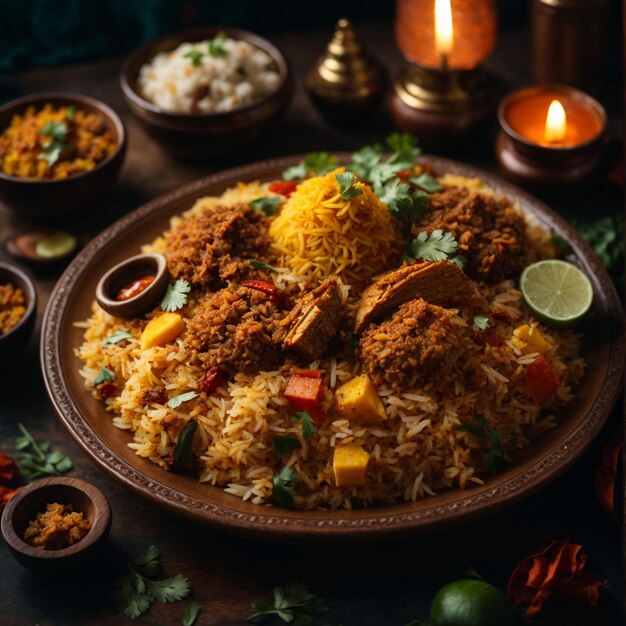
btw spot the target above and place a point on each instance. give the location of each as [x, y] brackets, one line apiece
[91, 427]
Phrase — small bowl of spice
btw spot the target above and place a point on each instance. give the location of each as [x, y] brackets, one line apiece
[207, 92]
[56, 522]
[18, 308]
[58, 152]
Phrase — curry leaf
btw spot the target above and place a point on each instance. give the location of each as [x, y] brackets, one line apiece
[284, 444]
[118, 335]
[259, 265]
[183, 455]
[175, 401]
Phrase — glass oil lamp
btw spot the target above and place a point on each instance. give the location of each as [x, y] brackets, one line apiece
[442, 94]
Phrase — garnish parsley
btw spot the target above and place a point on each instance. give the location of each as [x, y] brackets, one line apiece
[438, 246]
[494, 458]
[35, 459]
[294, 604]
[347, 188]
[266, 204]
[308, 425]
[176, 295]
[284, 487]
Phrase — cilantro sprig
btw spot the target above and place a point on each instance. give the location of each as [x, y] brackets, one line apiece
[438, 246]
[293, 604]
[116, 337]
[284, 444]
[36, 459]
[216, 45]
[52, 149]
[284, 487]
[195, 56]
[138, 590]
[494, 458]
[176, 295]
[347, 188]
[317, 163]
[308, 425]
[268, 205]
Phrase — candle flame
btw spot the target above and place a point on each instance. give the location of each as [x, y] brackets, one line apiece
[556, 123]
[444, 32]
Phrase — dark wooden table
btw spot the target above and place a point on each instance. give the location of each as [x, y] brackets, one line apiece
[371, 585]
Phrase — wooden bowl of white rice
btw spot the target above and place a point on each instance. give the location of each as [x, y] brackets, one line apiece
[208, 92]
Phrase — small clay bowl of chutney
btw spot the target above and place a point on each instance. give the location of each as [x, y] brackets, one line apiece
[24, 506]
[134, 286]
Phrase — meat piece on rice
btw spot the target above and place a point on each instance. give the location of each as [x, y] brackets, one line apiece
[418, 341]
[234, 328]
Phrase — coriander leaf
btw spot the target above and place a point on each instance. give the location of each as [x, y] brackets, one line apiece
[148, 563]
[439, 246]
[481, 322]
[347, 189]
[404, 145]
[176, 295]
[195, 56]
[118, 335]
[216, 45]
[494, 457]
[130, 601]
[459, 260]
[70, 113]
[295, 172]
[267, 205]
[52, 152]
[293, 604]
[383, 172]
[606, 236]
[169, 589]
[64, 465]
[560, 244]
[56, 130]
[284, 444]
[426, 182]
[183, 454]
[191, 614]
[364, 160]
[259, 265]
[283, 487]
[175, 401]
[308, 425]
[401, 201]
[315, 162]
[104, 376]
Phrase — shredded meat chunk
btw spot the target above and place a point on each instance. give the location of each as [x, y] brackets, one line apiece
[443, 283]
[313, 322]
[234, 328]
[490, 233]
[418, 341]
[215, 245]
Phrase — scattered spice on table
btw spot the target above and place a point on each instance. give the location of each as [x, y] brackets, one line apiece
[58, 527]
[606, 473]
[12, 307]
[54, 143]
[9, 477]
[559, 568]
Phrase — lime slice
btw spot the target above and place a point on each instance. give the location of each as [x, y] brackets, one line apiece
[56, 246]
[557, 292]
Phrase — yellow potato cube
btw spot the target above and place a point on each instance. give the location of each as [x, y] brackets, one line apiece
[531, 339]
[161, 330]
[358, 401]
[349, 465]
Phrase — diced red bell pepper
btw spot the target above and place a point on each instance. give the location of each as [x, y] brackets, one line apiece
[211, 380]
[274, 294]
[284, 188]
[305, 391]
[542, 380]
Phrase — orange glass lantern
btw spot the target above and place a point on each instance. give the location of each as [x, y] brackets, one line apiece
[442, 95]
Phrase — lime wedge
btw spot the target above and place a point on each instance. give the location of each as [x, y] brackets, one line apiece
[557, 292]
[57, 246]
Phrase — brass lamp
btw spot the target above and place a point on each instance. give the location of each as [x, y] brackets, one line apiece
[442, 94]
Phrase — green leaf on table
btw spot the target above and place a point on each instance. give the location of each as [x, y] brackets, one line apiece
[183, 453]
[284, 487]
[169, 589]
[176, 295]
[148, 563]
[35, 458]
[308, 425]
[191, 614]
[216, 45]
[284, 444]
[347, 188]
[117, 336]
[267, 205]
[105, 375]
[294, 604]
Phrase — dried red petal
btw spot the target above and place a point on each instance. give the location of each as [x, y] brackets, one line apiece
[9, 471]
[211, 380]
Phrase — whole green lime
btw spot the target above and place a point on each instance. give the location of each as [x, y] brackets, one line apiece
[472, 603]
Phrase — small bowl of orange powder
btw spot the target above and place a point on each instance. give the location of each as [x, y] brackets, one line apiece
[58, 152]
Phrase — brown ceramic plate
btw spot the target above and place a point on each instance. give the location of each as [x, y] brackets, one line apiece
[90, 425]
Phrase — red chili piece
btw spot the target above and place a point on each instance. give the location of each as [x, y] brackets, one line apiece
[212, 380]
[106, 390]
[135, 288]
[9, 470]
[305, 391]
[274, 294]
[542, 380]
[284, 188]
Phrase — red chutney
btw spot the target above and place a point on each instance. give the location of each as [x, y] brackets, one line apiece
[135, 288]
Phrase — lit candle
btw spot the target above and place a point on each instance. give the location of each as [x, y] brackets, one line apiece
[556, 123]
[444, 31]
[550, 135]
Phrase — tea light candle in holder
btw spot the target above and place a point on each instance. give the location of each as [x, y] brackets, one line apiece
[442, 95]
[551, 137]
